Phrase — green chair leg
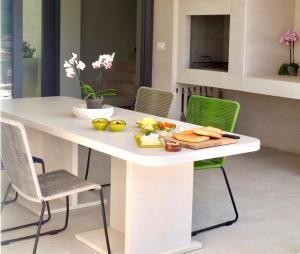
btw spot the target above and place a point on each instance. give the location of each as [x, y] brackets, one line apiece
[227, 223]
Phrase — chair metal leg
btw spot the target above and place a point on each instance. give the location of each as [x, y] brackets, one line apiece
[11, 200]
[88, 169]
[30, 224]
[51, 232]
[39, 228]
[5, 196]
[36, 160]
[104, 222]
[227, 223]
[43, 167]
[88, 165]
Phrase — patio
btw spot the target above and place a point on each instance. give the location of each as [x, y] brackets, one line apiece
[266, 185]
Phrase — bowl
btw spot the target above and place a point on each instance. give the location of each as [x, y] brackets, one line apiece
[100, 124]
[117, 125]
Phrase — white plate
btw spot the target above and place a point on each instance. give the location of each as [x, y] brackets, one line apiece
[82, 112]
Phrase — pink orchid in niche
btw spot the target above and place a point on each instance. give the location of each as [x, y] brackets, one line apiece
[289, 38]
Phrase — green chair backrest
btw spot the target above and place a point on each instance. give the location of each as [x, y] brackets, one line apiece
[206, 111]
[219, 113]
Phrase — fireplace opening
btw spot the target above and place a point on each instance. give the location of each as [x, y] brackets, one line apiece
[209, 48]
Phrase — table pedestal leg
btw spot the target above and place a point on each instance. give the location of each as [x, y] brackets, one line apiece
[151, 210]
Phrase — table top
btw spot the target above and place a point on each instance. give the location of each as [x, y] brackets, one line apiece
[53, 115]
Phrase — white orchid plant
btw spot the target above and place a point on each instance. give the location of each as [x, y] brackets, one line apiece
[73, 67]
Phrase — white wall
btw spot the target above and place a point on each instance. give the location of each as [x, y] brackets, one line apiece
[164, 30]
[70, 42]
[297, 27]
[265, 23]
[111, 24]
[274, 120]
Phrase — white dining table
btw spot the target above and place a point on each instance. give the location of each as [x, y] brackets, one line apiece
[151, 189]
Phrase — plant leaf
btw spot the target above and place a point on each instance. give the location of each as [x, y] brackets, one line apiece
[87, 89]
[108, 92]
[283, 70]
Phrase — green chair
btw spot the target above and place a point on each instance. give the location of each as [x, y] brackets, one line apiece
[221, 114]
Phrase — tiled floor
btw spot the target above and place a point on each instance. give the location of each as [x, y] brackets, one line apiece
[266, 186]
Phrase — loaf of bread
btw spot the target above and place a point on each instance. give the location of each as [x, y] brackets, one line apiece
[190, 137]
[208, 131]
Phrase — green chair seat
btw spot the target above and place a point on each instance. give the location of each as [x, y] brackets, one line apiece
[209, 164]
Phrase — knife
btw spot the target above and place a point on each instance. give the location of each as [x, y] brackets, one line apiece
[231, 136]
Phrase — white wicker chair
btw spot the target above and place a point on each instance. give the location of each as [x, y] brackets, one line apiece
[149, 101]
[18, 162]
[154, 102]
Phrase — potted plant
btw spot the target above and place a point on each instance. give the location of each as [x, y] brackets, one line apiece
[94, 96]
[289, 39]
[30, 70]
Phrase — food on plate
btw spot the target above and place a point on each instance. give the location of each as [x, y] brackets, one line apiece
[217, 130]
[150, 140]
[164, 133]
[166, 126]
[208, 131]
[100, 124]
[147, 124]
[146, 121]
[190, 137]
[117, 125]
[187, 132]
[172, 146]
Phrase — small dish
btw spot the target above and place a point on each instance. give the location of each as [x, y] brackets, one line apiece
[100, 124]
[117, 125]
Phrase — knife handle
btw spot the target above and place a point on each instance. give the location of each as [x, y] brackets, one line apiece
[231, 136]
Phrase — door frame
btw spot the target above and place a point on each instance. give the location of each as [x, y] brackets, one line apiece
[17, 48]
[51, 18]
[147, 10]
[51, 21]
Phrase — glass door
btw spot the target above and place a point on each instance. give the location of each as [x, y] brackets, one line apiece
[32, 48]
[29, 48]
[6, 50]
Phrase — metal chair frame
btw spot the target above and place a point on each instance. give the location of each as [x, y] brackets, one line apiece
[227, 223]
[43, 200]
[221, 114]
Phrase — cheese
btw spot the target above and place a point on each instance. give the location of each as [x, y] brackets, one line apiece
[150, 140]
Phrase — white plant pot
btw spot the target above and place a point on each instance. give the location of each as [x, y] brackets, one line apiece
[82, 112]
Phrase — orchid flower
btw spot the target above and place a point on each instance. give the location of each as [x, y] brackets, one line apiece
[73, 67]
[104, 61]
[80, 65]
[289, 38]
[70, 72]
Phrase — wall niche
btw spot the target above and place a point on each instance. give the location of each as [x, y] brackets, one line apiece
[209, 46]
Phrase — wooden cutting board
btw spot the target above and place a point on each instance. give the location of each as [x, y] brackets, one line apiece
[206, 144]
